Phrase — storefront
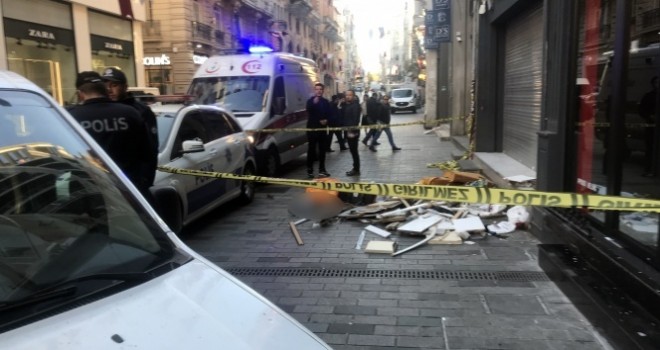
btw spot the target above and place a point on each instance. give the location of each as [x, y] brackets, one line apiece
[40, 46]
[112, 44]
[589, 91]
[160, 70]
[49, 41]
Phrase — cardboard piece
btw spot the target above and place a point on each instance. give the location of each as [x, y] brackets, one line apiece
[380, 247]
[461, 176]
[468, 224]
[448, 238]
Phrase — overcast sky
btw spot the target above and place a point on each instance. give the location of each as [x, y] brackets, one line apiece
[369, 16]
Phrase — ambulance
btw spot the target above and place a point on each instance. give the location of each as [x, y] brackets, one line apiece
[263, 90]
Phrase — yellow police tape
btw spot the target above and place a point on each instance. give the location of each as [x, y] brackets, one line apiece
[371, 126]
[422, 122]
[463, 194]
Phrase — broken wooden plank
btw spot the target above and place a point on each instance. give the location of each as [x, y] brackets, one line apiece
[380, 247]
[379, 231]
[296, 235]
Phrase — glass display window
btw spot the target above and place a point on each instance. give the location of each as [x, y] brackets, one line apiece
[617, 148]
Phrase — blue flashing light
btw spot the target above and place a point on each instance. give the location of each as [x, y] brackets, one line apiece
[260, 49]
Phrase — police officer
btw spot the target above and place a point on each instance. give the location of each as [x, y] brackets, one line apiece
[117, 128]
[117, 85]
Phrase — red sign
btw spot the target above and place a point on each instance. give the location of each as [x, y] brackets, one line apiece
[213, 67]
[251, 67]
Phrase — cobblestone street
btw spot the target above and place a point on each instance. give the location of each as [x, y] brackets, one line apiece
[488, 295]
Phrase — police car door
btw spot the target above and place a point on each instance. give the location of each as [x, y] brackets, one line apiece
[196, 188]
[225, 148]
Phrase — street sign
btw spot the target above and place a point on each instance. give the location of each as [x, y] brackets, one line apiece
[442, 9]
[430, 25]
[438, 24]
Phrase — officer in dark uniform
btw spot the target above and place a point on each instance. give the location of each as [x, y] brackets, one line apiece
[117, 128]
[117, 85]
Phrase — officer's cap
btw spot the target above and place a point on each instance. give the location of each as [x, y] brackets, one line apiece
[87, 78]
[114, 74]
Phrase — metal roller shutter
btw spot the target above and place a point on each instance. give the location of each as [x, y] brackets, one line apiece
[523, 79]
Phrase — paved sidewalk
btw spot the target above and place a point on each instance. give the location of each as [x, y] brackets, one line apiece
[488, 295]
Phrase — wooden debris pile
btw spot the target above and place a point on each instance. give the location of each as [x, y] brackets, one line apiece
[438, 222]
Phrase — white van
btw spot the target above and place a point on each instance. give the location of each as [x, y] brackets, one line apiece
[263, 91]
[87, 264]
[403, 99]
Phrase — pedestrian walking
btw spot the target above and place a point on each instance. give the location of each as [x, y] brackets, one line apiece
[384, 117]
[351, 111]
[319, 112]
[117, 128]
[117, 86]
[335, 121]
[372, 111]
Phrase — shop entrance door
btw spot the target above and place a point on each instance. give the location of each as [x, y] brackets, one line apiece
[45, 73]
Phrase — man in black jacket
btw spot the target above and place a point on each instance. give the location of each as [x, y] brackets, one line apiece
[319, 112]
[117, 128]
[383, 117]
[351, 117]
[372, 114]
[117, 85]
[336, 104]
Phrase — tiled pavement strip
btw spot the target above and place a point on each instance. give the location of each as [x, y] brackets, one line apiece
[392, 313]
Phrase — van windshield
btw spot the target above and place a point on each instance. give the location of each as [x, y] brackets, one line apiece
[238, 94]
[64, 217]
[402, 93]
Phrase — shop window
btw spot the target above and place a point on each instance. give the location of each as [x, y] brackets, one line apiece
[636, 151]
[160, 78]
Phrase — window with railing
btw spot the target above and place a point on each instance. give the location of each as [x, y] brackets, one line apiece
[220, 36]
[650, 19]
[201, 31]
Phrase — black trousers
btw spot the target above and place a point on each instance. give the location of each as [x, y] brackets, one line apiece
[353, 147]
[340, 138]
[317, 144]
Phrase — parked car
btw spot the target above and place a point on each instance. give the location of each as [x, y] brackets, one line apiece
[403, 99]
[208, 138]
[86, 263]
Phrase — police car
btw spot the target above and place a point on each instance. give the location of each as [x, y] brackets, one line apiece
[207, 138]
[85, 262]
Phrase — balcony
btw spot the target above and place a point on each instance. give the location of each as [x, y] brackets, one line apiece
[201, 31]
[265, 7]
[300, 8]
[152, 29]
[219, 37]
[650, 21]
[313, 19]
[331, 30]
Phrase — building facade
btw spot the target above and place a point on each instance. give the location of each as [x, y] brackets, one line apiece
[180, 34]
[570, 96]
[49, 41]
